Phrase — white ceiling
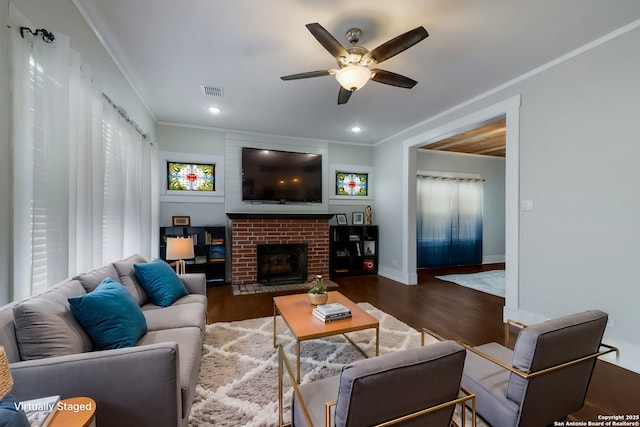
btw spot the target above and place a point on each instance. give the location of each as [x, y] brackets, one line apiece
[169, 48]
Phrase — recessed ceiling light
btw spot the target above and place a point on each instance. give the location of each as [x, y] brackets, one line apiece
[356, 129]
[214, 110]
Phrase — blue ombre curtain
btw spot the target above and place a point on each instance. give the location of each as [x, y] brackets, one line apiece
[449, 228]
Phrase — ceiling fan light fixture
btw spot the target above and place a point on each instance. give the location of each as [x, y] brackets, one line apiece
[353, 77]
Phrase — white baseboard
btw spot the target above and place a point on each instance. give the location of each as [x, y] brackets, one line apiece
[398, 275]
[493, 259]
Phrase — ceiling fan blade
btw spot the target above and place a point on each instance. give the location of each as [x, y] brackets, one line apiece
[393, 79]
[327, 40]
[306, 75]
[398, 44]
[343, 95]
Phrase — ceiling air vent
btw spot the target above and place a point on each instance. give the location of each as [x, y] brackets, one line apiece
[214, 91]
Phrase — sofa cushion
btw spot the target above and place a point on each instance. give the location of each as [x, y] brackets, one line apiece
[47, 328]
[160, 282]
[187, 299]
[127, 276]
[175, 316]
[110, 316]
[488, 381]
[92, 279]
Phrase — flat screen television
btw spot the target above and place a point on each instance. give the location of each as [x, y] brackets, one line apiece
[281, 176]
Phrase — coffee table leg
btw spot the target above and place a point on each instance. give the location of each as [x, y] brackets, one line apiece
[377, 341]
[298, 359]
[275, 312]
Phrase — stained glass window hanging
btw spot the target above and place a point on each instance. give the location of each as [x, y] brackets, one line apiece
[191, 176]
[352, 184]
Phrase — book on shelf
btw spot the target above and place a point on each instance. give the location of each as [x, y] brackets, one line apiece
[331, 317]
[216, 252]
[39, 411]
[332, 308]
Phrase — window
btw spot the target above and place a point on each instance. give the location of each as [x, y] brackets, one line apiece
[191, 176]
[352, 184]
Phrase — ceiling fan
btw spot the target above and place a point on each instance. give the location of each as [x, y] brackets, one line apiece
[356, 62]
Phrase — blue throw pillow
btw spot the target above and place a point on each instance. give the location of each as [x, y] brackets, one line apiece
[160, 282]
[109, 315]
[10, 414]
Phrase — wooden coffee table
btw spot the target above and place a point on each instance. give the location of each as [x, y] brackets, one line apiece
[296, 311]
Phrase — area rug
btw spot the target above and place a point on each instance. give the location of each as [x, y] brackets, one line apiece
[491, 282]
[238, 383]
[257, 288]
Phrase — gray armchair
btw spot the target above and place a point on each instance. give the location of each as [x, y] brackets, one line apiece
[545, 377]
[415, 387]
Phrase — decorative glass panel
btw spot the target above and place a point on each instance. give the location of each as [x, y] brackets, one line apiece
[191, 176]
[352, 184]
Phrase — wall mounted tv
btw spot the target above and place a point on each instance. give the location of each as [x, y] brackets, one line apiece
[281, 176]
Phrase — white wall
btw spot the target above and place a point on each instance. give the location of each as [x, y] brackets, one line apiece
[198, 142]
[59, 16]
[492, 170]
[578, 151]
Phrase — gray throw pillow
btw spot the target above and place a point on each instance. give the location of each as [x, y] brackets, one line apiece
[46, 328]
[127, 276]
[92, 279]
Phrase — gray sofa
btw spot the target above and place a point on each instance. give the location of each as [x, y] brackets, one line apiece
[150, 384]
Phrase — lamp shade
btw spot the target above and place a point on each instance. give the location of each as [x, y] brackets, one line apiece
[179, 248]
[6, 380]
[353, 77]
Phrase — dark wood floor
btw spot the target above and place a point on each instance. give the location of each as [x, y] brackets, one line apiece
[453, 312]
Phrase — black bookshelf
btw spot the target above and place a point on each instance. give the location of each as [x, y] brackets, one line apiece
[353, 250]
[208, 246]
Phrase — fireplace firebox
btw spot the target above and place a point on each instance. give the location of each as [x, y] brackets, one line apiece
[280, 264]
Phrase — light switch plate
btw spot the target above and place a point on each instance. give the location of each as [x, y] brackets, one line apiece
[526, 205]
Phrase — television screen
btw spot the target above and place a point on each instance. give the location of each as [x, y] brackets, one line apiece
[281, 176]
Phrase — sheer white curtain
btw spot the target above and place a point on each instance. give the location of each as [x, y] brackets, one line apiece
[85, 181]
[449, 221]
[130, 186]
[40, 155]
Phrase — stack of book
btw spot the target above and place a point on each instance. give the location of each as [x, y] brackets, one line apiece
[331, 312]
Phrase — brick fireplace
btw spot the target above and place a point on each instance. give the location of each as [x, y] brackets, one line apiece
[250, 230]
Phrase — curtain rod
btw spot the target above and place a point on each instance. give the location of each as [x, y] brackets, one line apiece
[450, 178]
[125, 116]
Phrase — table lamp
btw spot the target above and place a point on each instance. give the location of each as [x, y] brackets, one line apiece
[179, 249]
[6, 380]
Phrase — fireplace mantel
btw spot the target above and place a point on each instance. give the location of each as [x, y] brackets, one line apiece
[233, 215]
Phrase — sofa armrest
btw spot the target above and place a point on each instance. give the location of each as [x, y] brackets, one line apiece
[137, 386]
[196, 283]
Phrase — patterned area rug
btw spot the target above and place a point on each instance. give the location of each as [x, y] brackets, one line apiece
[491, 282]
[238, 383]
[257, 288]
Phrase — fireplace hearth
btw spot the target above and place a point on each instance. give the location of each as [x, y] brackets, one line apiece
[280, 264]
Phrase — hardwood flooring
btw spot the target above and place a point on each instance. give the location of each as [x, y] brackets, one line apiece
[452, 311]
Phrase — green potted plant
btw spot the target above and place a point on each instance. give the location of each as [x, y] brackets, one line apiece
[318, 292]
